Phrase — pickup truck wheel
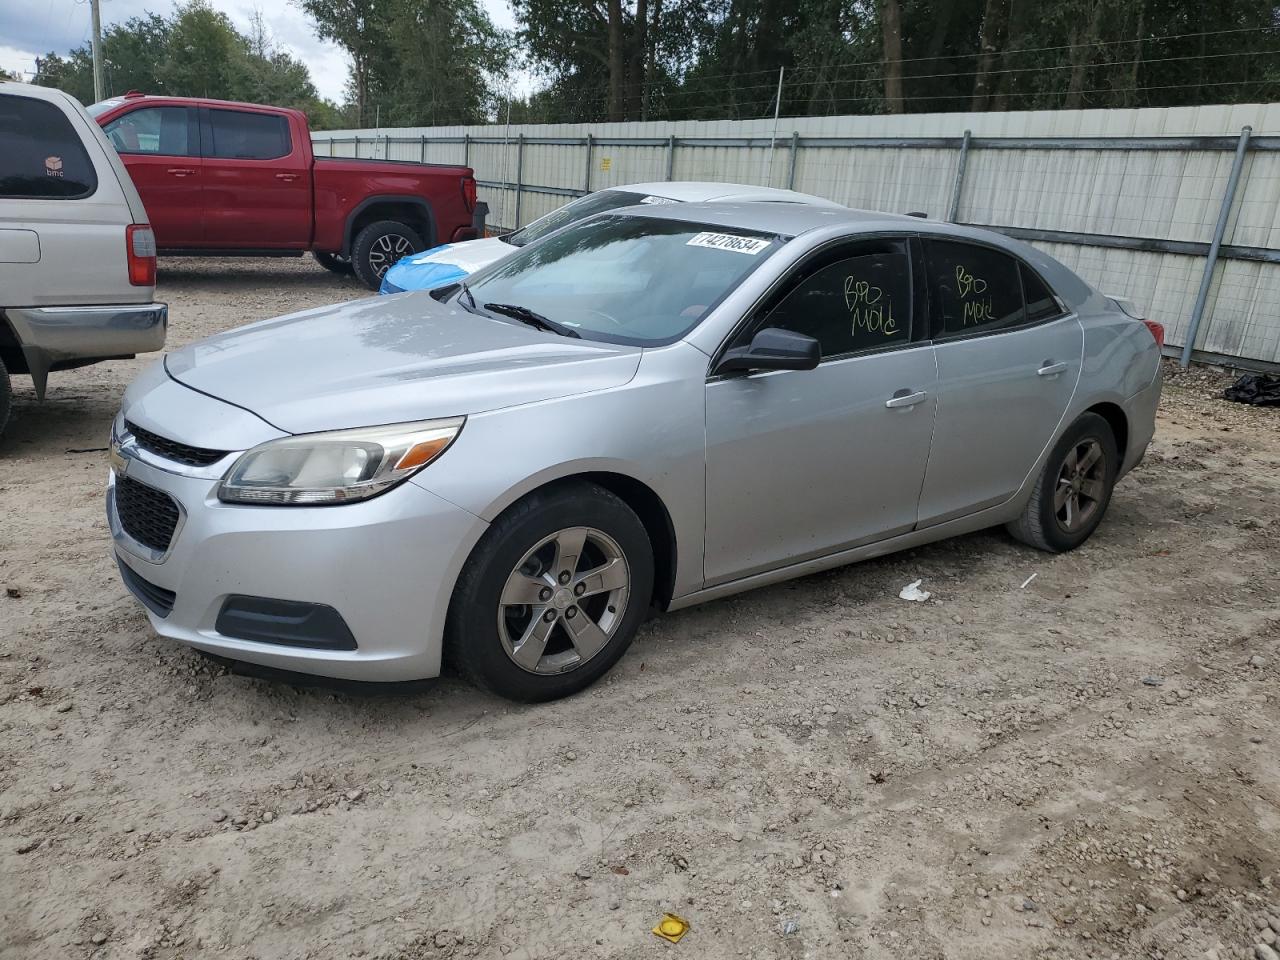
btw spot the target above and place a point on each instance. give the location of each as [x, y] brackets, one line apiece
[379, 246]
[4, 396]
[333, 262]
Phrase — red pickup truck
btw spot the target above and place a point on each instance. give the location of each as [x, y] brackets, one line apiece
[240, 179]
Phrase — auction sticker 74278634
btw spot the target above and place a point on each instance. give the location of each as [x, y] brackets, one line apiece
[728, 241]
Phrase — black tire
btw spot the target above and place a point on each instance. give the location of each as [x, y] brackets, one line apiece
[6, 397]
[333, 263]
[474, 641]
[378, 246]
[1042, 524]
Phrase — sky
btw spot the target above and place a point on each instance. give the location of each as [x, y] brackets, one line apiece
[28, 30]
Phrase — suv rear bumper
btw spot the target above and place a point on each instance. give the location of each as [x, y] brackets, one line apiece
[52, 336]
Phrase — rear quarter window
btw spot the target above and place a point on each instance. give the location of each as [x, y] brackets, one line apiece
[42, 156]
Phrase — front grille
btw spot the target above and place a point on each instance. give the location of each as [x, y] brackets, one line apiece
[172, 449]
[156, 599]
[148, 515]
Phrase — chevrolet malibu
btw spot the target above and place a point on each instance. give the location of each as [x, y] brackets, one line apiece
[654, 407]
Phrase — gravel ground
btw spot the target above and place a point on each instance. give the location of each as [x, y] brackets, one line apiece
[1080, 766]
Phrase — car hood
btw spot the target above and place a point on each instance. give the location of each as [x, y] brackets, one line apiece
[392, 360]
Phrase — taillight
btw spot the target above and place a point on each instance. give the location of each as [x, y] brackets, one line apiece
[140, 246]
[469, 192]
[1157, 331]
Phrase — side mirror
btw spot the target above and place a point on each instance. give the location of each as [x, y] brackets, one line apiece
[773, 349]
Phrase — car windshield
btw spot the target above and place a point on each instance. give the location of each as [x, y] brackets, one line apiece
[588, 206]
[624, 279]
[102, 106]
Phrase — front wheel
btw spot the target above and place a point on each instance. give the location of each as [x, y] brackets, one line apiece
[1072, 494]
[552, 595]
[379, 246]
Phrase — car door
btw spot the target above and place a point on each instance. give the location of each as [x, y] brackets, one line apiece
[1008, 365]
[160, 148]
[257, 180]
[802, 463]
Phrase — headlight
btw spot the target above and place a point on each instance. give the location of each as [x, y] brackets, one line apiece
[337, 467]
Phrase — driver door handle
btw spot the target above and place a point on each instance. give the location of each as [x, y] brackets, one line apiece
[180, 171]
[1050, 368]
[905, 399]
[286, 176]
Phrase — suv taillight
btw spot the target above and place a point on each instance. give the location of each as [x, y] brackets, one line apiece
[1157, 331]
[140, 247]
[469, 193]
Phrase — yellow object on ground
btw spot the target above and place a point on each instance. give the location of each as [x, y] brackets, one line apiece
[671, 927]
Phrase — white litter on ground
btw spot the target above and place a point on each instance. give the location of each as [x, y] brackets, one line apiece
[1028, 580]
[912, 591]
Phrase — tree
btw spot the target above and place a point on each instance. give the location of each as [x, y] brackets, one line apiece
[891, 25]
[415, 61]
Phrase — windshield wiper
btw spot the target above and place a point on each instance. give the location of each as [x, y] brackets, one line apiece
[532, 318]
[471, 300]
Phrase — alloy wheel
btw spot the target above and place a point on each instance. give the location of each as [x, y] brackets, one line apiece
[388, 249]
[564, 601]
[1081, 486]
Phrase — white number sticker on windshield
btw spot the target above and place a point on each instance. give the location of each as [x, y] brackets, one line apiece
[727, 241]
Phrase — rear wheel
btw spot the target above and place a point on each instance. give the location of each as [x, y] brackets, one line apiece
[333, 262]
[552, 595]
[5, 396]
[379, 246]
[1072, 494]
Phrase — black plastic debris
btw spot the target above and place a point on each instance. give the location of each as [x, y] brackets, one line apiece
[1258, 389]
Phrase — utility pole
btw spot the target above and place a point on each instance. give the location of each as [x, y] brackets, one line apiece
[98, 94]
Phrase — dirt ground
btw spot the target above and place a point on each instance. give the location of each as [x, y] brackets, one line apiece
[1084, 765]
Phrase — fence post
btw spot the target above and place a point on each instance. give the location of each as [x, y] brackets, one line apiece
[519, 177]
[1211, 260]
[795, 145]
[671, 155]
[422, 149]
[466, 149]
[356, 139]
[954, 209]
[586, 182]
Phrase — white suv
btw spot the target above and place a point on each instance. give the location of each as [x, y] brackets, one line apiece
[77, 258]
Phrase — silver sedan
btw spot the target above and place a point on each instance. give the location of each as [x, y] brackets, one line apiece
[653, 408]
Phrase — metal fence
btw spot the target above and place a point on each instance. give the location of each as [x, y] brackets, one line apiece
[1182, 223]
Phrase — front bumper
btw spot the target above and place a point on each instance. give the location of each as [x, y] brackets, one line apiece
[386, 565]
[55, 335]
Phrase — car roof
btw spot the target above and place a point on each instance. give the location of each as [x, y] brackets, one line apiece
[708, 191]
[785, 219]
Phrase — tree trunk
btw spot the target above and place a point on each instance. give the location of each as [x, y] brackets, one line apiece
[651, 60]
[1132, 96]
[639, 53]
[1009, 82]
[1082, 57]
[616, 63]
[891, 23]
[995, 21]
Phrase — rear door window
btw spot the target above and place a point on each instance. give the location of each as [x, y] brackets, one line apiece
[972, 289]
[43, 157]
[155, 131]
[238, 135]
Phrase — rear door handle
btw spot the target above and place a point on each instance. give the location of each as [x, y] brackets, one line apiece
[905, 399]
[1050, 369]
[286, 176]
[180, 171]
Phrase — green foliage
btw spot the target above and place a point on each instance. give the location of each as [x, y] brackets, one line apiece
[415, 62]
[720, 58]
[195, 52]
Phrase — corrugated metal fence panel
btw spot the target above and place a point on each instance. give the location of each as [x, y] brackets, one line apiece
[1166, 195]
